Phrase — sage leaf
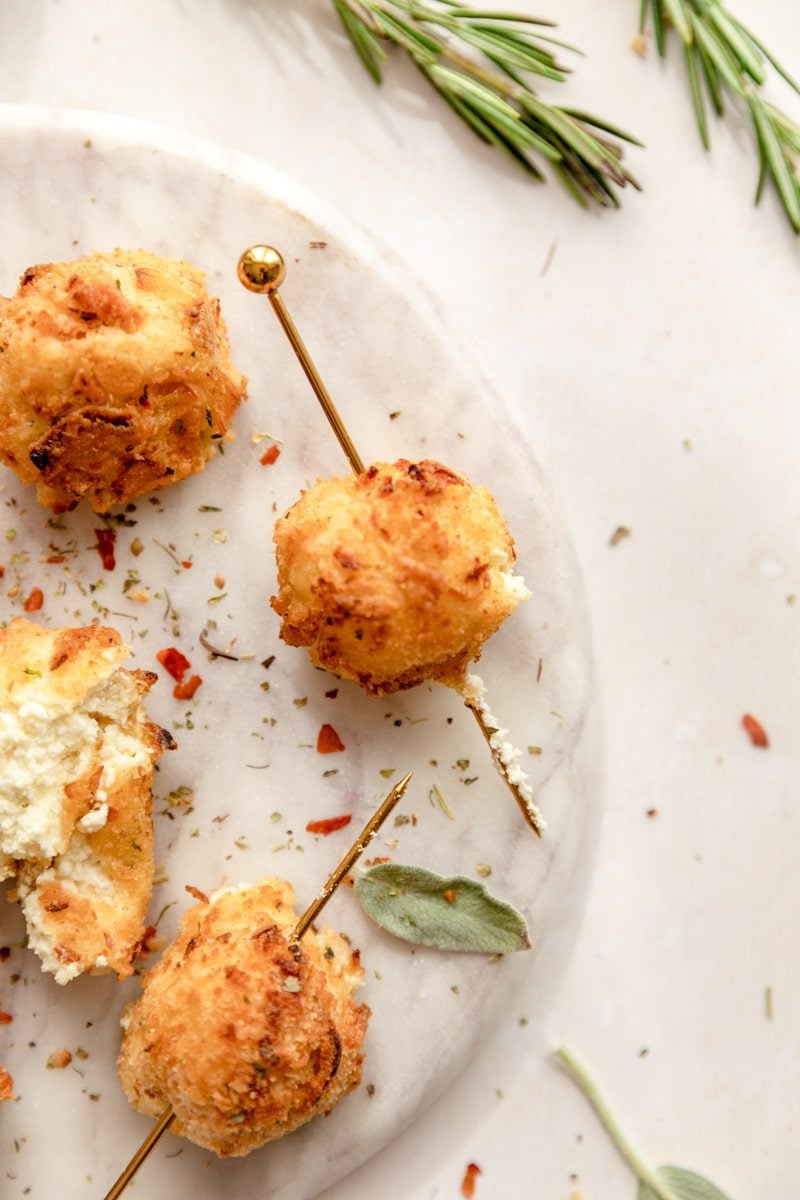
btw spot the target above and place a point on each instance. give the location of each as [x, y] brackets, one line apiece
[449, 913]
[683, 1185]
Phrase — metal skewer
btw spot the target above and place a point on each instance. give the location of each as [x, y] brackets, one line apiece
[262, 269]
[303, 924]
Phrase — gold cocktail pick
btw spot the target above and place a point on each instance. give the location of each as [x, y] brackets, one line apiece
[303, 924]
[262, 269]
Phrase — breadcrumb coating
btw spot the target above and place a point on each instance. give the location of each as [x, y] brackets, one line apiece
[396, 575]
[115, 377]
[246, 1034]
[76, 770]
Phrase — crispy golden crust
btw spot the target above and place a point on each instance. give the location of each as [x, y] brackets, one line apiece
[85, 904]
[245, 1035]
[393, 576]
[115, 377]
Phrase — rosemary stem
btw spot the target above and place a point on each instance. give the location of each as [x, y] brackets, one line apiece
[641, 1170]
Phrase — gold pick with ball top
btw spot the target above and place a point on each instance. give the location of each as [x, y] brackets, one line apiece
[262, 269]
[303, 925]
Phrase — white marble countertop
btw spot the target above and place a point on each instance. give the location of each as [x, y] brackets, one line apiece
[652, 359]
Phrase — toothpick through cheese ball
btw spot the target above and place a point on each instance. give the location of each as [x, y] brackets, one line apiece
[396, 575]
[243, 1030]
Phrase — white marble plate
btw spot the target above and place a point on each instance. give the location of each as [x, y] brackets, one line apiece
[72, 183]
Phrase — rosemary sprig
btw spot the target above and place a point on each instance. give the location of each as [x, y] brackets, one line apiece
[483, 64]
[724, 57]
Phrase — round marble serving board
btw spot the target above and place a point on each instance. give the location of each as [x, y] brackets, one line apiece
[79, 182]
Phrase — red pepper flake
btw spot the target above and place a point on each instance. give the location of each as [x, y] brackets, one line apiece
[59, 1060]
[468, 1182]
[195, 891]
[450, 896]
[330, 825]
[757, 732]
[105, 547]
[174, 662]
[2, 572]
[5, 1018]
[186, 691]
[328, 741]
[6, 1085]
[54, 558]
[376, 862]
[34, 601]
[270, 456]
[186, 564]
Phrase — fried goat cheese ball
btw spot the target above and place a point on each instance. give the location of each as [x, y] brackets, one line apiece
[115, 377]
[396, 575]
[76, 766]
[246, 1034]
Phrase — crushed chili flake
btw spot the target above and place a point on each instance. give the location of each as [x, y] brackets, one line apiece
[6, 1085]
[34, 601]
[195, 891]
[376, 862]
[105, 547]
[5, 1018]
[59, 1059]
[2, 572]
[54, 558]
[329, 825]
[174, 662]
[270, 456]
[186, 563]
[468, 1182]
[755, 730]
[186, 691]
[328, 741]
[450, 896]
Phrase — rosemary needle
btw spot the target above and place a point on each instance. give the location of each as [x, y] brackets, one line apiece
[483, 64]
[723, 58]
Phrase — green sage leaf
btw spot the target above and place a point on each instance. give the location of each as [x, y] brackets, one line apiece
[448, 913]
[682, 1185]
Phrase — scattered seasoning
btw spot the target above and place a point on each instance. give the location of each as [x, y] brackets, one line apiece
[58, 1060]
[483, 870]
[756, 731]
[652, 812]
[768, 1009]
[534, 749]
[329, 825]
[450, 896]
[212, 650]
[370, 1090]
[300, 701]
[195, 891]
[394, 415]
[468, 1182]
[328, 741]
[619, 535]
[270, 456]
[332, 694]
[443, 805]
[137, 546]
[5, 1018]
[175, 663]
[6, 1085]
[387, 772]
[34, 601]
[105, 547]
[186, 691]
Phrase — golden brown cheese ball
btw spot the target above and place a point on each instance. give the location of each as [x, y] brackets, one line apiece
[115, 377]
[77, 754]
[245, 1034]
[395, 575]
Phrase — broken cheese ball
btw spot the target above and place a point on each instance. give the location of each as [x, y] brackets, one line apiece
[396, 575]
[115, 377]
[76, 767]
[244, 1032]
